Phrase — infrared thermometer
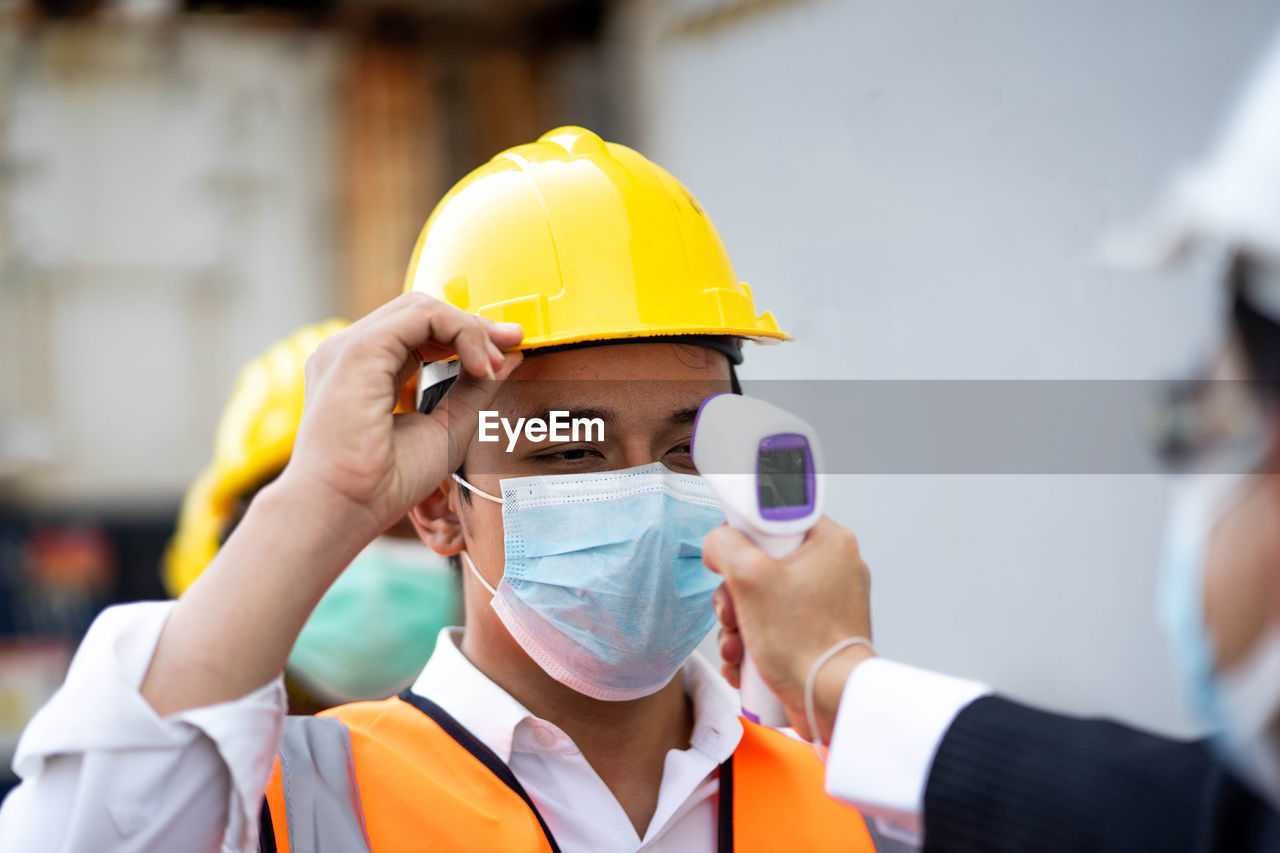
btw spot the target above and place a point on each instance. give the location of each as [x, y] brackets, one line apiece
[763, 463]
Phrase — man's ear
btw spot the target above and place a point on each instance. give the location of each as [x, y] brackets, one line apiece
[437, 524]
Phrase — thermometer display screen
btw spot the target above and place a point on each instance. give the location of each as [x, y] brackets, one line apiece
[784, 476]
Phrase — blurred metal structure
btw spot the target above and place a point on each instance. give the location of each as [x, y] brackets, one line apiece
[166, 196]
[181, 183]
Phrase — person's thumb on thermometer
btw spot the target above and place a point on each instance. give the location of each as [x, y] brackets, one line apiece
[788, 612]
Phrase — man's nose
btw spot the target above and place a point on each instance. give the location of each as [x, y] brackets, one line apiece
[637, 453]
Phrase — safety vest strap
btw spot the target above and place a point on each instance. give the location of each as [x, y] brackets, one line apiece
[724, 809]
[482, 753]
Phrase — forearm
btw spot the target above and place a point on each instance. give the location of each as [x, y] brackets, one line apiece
[233, 630]
[101, 771]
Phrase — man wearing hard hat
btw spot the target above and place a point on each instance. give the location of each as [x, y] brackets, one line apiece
[374, 629]
[960, 769]
[569, 713]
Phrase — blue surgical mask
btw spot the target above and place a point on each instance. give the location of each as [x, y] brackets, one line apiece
[1236, 705]
[374, 629]
[1197, 504]
[604, 585]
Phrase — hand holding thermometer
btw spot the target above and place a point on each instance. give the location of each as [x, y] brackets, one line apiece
[762, 462]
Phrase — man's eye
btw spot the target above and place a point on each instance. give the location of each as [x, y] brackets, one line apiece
[569, 454]
[680, 459]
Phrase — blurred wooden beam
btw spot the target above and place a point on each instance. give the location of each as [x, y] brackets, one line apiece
[394, 169]
[500, 104]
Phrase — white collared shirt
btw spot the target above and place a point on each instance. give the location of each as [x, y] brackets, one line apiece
[103, 773]
[579, 809]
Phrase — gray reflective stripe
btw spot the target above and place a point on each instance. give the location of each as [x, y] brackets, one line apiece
[321, 799]
[885, 844]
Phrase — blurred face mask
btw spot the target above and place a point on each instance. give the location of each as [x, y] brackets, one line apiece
[373, 631]
[604, 585]
[1238, 704]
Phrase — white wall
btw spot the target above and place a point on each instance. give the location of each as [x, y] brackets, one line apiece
[915, 189]
[166, 213]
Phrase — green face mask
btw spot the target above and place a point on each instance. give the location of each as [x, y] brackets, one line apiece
[373, 631]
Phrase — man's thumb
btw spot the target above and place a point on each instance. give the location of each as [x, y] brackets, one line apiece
[460, 409]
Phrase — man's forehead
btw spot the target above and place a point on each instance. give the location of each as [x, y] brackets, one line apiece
[608, 399]
[664, 379]
[647, 361]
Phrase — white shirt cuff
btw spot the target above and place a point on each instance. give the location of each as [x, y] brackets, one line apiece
[100, 709]
[891, 720]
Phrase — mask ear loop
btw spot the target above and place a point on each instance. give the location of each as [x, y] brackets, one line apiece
[466, 558]
[474, 490]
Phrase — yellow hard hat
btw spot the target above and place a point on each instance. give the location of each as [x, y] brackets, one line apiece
[253, 443]
[578, 239]
[196, 539]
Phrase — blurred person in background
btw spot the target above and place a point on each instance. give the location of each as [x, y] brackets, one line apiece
[375, 628]
[571, 712]
[959, 769]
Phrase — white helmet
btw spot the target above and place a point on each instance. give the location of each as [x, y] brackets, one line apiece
[1232, 198]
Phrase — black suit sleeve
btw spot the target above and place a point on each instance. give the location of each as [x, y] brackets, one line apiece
[1012, 778]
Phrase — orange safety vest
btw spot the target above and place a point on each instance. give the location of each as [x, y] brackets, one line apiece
[402, 775]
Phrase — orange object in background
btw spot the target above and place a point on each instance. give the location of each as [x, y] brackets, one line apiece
[71, 559]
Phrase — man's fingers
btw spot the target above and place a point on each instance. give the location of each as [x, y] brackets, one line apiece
[425, 328]
[505, 335]
[411, 366]
[457, 414]
[411, 329]
[730, 553]
[722, 601]
[461, 406]
[826, 534]
[731, 650]
[731, 647]
[479, 344]
[469, 339]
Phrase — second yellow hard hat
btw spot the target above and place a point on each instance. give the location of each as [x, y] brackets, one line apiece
[253, 444]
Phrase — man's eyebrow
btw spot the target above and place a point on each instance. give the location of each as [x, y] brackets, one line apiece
[681, 417]
[544, 412]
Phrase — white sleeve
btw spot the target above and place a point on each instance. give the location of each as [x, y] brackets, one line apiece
[891, 720]
[102, 772]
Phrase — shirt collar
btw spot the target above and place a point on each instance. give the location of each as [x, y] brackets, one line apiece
[492, 715]
[716, 726]
[466, 694]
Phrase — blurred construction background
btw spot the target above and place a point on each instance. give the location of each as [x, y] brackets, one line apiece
[914, 188]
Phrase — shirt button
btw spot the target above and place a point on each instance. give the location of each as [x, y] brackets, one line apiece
[543, 736]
